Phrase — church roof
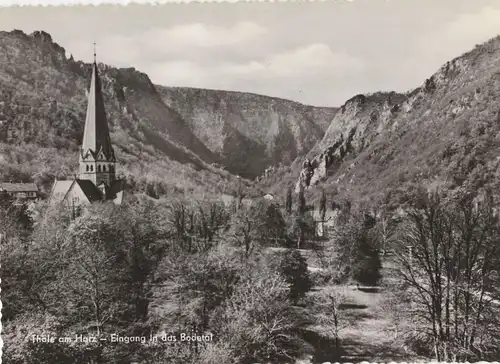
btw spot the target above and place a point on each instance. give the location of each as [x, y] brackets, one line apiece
[18, 187]
[116, 191]
[89, 189]
[96, 134]
[61, 190]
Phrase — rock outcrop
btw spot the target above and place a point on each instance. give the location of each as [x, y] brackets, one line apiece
[445, 132]
[249, 132]
[42, 103]
[360, 120]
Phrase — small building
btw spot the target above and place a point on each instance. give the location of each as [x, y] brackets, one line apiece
[20, 190]
[325, 224]
[269, 196]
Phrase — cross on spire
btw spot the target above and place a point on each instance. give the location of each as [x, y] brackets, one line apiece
[96, 133]
[94, 54]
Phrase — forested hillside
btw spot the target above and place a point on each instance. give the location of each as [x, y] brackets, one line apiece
[444, 134]
[249, 132]
[388, 251]
[165, 138]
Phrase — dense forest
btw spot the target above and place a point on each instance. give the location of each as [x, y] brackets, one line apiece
[239, 280]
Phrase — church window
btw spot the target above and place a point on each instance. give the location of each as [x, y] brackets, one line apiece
[91, 168]
[98, 168]
[88, 167]
[104, 168]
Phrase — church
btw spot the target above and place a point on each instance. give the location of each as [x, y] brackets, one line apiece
[96, 180]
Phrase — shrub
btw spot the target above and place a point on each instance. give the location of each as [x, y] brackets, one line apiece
[293, 268]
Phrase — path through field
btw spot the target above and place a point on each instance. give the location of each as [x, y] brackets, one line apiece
[367, 330]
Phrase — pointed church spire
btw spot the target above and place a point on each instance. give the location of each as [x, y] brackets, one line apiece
[96, 135]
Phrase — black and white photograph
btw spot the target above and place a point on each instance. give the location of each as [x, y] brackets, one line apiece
[250, 182]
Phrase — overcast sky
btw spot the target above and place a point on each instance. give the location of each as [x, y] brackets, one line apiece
[318, 53]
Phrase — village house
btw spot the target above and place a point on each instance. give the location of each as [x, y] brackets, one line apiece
[324, 225]
[20, 190]
[269, 196]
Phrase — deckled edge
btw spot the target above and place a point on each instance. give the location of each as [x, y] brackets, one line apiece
[55, 3]
[1, 327]
[47, 3]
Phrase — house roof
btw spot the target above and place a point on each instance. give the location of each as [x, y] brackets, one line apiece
[18, 187]
[96, 134]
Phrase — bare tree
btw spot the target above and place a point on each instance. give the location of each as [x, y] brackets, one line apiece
[257, 322]
[330, 302]
[246, 231]
[89, 277]
[453, 247]
[386, 228]
[196, 227]
[322, 206]
[288, 201]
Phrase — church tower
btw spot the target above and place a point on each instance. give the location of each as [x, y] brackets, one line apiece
[97, 158]
[97, 174]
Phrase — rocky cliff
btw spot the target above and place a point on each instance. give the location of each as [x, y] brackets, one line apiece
[190, 138]
[42, 114]
[444, 133]
[355, 126]
[249, 132]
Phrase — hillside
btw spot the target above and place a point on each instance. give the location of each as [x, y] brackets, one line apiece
[445, 133]
[42, 113]
[161, 135]
[249, 132]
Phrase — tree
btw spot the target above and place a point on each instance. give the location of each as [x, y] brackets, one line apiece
[246, 230]
[453, 243]
[274, 225]
[330, 314]
[92, 278]
[352, 249]
[31, 261]
[240, 195]
[366, 263]
[322, 205]
[386, 230]
[301, 228]
[15, 217]
[300, 225]
[211, 219]
[301, 201]
[293, 267]
[195, 227]
[203, 281]
[288, 200]
[257, 324]
[151, 190]
[144, 244]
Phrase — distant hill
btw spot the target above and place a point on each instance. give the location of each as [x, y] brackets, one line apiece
[249, 132]
[186, 138]
[443, 134]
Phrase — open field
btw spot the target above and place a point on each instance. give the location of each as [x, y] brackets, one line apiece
[366, 331]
